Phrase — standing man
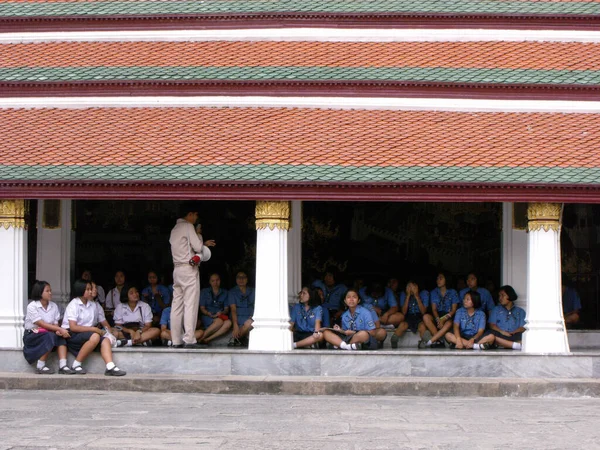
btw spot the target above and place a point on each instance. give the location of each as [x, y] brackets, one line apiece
[187, 249]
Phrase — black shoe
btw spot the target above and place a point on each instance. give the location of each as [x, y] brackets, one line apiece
[177, 346]
[115, 372]
[195, 345]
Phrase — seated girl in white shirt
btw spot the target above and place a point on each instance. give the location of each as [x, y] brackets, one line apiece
[134, 318]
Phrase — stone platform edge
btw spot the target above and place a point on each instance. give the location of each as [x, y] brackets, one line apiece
[313, 386]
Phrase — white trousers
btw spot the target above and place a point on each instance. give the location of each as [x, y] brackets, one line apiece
[185, 304]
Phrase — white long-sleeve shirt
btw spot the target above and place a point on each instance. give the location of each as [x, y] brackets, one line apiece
[183, 236]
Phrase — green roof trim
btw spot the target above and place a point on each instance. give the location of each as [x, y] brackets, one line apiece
[136, 8]
[304, 173]
[459, 75]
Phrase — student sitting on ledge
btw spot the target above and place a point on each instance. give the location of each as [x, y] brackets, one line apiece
[469, 325]
[356, 324]
[307, 318]
[134, 318]
[507, 321]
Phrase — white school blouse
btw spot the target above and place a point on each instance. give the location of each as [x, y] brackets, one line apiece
[35, 312]
[142, 313]
[88, 315]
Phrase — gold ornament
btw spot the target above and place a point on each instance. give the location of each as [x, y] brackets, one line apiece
[543, 216]
[12, 213]
[272, 215]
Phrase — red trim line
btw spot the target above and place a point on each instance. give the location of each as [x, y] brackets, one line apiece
[304, 88]
[441, 192]
[282, 20]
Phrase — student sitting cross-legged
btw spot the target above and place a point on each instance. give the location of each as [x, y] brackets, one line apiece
[133, 319]
[81, 319]
[241, 304]
[306, 318]
[444, 304]
[165, 328]
[42, 331]
[507, 321]
[214, 309]
[356, 324]
[469, 325]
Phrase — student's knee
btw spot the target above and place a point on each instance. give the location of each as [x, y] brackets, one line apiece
[165, 334]
[217, 322]
[94, 339]
[227, 325]
[403, 326]
[428, 319]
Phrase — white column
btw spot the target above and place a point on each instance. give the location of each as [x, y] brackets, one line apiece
[546, 332]
[13, 272]
[294, 246]
[55, 247]
[514, 255]
[271, 312]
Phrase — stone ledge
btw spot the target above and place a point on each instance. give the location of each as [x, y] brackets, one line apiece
[253, 385]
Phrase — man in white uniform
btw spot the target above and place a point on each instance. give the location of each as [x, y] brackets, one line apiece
[186, 244]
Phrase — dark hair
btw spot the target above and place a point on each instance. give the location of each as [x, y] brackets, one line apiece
[313, 297]
[446, 276]
[79, 287]
[346, 293]
[188, 207]
[474, 273]
[476, 298]
[375, 290]
[124, 291]
[122, 271]
[38, 289]
[509, 291]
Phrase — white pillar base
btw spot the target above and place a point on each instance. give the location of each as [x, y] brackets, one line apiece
[13, 285]
[271, 312]
[546, 331]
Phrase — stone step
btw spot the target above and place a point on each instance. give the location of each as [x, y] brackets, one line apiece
[289, 385]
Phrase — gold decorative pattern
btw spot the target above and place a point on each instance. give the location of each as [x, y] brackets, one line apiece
[12, 213]
[543, 216]
[272, 215]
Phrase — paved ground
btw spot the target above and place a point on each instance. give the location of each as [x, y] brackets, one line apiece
[121, 420]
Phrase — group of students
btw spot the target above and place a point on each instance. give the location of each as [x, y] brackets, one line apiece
[360, 316]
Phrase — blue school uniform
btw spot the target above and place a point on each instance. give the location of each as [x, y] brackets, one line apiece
[360, 320]
[487, 302]
[444, 303]
[571, 301]
[508, 320]
[165, 318]
[470, 325]
[371, 309]
[213, 303]
[333, 296]
[413, 306]
[384, 302]
[304, 320]
[148, 297]
[244, 303]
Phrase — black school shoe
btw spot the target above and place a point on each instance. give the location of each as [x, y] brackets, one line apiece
[195, 345]
[45, 371]
[115, 372]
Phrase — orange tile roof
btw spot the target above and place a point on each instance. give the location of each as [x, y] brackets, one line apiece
[483, 55]
[292, 136]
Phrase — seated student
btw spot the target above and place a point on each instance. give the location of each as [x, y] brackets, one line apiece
[414, 304]
[383, 301]
[487, 302]
[214, 309]
[571, 304]
[101, 295]
[356, 324]
[42, 331]
[241, 304]
[134, 318]
[469, 325]
[165, 328]
[81, 317]
[156, 295]
[507, 321]
[113, 297]
[306, 319]
[333, 293]
[444, 303]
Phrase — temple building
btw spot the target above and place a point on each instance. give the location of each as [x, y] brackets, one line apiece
[469, 109]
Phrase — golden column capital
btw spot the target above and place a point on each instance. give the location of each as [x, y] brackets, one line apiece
[543, 216]
[272, 215]
[12, 213]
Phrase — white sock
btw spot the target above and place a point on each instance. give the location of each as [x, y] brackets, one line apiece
[76, 364]
[293, 345]
[353, 347]
[129, 343]
[516, 346]
[41, 364]
[344, 346]
[476, 347]
[110, 365]
[428, 343]
[62, 363]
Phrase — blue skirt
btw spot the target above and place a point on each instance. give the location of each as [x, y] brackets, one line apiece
[36, 345]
